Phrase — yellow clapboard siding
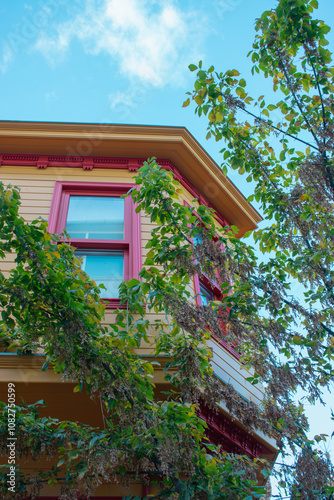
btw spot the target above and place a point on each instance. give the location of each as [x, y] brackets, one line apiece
[145, 229]
[146, 236]
[9, 257]
[6, 266]
[37, 188]
[42, 195]
[26, 202]
[47, 189]
[29, 181]
[72, 174]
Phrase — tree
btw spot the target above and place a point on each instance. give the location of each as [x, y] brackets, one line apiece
[286, 148]
[48, 301]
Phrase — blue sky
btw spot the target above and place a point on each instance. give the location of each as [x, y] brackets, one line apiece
[124, 61]
[120, 61]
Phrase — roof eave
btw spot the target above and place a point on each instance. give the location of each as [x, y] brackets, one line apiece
[174, 143]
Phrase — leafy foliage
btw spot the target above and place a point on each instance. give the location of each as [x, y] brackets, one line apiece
[286, 149]
[286, 342]
[49, 302]
[164, 440]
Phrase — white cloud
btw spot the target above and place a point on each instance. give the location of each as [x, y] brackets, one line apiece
[151, 41]
[55, 48]
[125, 101]
[6, 58]
[50, 96]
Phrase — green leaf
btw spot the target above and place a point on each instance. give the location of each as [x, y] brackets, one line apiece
[282, 155]
[46, 365]
[199, 99]
[133, 282]
[192, 67]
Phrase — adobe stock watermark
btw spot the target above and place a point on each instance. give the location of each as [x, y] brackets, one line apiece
[223, 6]
[86, 145]
[122, 103]
[11, 446]
[29, 26]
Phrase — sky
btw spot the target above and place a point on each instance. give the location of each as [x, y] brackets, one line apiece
[123, 61]
[126, 61]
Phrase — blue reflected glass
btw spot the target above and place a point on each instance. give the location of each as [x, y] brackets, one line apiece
[95, 217]
[197, 239]
[206, 294]
[104, 267]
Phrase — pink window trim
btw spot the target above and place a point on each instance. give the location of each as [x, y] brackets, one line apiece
[218, 295]
[217, 292]
[131, 244]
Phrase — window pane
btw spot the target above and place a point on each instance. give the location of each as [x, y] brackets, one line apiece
[206, 295]
[197, 239]
[95, 217]
[104, 267]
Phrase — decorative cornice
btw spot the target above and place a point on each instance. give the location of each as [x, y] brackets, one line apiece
[92, 162]
[138, 141]
[232, 438]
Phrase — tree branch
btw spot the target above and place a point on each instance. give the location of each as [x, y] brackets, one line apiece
[297, 101]
[270, 124]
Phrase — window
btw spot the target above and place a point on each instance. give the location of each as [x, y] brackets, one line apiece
[206, 295]
[207, 291]
[103, 227]
[105, 267]
[95, 217]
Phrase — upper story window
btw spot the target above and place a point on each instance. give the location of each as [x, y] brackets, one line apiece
[206, 291]
[103, 227]
[206, 295]
[95, 217]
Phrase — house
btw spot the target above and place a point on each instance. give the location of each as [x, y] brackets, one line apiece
[69, 174]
